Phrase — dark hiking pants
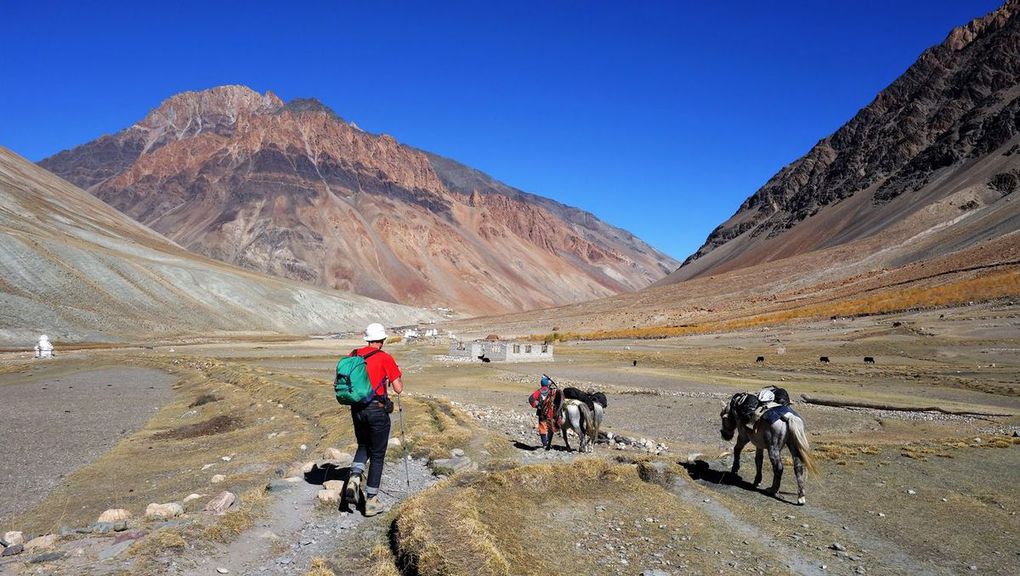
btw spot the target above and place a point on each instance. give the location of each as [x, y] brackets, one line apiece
[372, 429]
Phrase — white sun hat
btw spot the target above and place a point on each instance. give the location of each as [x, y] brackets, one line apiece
[374, 332]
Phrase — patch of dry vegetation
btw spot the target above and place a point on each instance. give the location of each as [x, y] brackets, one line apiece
[485, 523]
[991, 286]
[253, 505]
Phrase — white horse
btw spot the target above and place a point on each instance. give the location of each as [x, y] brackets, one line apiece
[767, 434]
[585, 421]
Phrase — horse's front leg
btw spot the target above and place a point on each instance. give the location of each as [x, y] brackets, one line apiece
[759, 457]
[737, 448]
[775, 455]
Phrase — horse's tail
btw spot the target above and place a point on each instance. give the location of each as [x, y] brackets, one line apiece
[800, 442]
[587, 419]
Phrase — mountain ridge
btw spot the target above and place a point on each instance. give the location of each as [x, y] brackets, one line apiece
[958, 103]
[293, 190]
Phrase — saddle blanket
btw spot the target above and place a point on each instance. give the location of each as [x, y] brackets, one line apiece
[777, 413]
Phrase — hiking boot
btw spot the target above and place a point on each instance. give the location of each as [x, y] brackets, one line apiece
[353, 489]
[374, 506]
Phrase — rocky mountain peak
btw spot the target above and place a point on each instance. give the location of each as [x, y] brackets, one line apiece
[299, 105]
[293, 190]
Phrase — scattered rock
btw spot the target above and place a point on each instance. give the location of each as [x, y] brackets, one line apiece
[114, 515]
[191, 497]
[328, 496]
[222, 571]
[216, 479]
[13, 538]
[120, 526]
[115, 550]
[333, 485]
[156, 511]
[102, 527]
[47, 541]
[393, 442]
[226, 458]
[456, 452]
[655, 572]
[12, 550]
[47, 557]
[838, 546]
[451, 464]
[220, 503]
[911, 492]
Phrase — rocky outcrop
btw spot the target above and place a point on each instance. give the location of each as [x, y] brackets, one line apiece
[943, 125]
[293, 190]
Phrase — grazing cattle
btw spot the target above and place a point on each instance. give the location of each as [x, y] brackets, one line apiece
[869, 359]
[778, 427]
[823, 359]
[759, 360]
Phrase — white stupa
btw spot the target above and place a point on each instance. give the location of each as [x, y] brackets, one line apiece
[44, 349]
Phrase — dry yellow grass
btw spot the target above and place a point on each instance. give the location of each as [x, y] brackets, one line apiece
[319, 567]
[991, 286]
[485, 523]
[241, 517]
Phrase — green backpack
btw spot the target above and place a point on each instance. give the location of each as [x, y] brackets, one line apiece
[352, 385]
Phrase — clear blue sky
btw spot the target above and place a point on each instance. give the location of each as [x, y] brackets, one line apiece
[659, 117]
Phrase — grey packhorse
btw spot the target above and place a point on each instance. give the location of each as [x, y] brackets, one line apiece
[767, 434]
[584, 418]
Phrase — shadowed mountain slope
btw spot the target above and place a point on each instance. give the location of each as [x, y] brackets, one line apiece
[293, 190]
[928, 165]
[76, 269]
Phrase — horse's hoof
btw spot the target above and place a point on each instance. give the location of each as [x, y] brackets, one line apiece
[801, 500]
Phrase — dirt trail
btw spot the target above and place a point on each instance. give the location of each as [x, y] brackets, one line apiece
[297, 529]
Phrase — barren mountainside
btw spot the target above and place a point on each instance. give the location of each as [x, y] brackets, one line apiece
[293, 190]
[75, 269]
[943, 138]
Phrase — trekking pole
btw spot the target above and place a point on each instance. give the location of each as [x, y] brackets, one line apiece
[403, 443]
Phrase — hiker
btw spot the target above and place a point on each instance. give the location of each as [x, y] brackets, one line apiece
[372, 420]
[43, 349]
[546, 402]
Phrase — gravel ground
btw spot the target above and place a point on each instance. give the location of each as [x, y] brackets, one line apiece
[53, 424]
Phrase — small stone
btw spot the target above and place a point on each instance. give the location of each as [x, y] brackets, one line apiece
[972, 567]
[333, 485]
[116, 549]
[120, 526]
[156, 511]
[220, 503]
[47, 541]
[102, 527]
[222, 571]
[216, 479]
[328, 496]
[13, 550]
[911, 492]
[226, 458]
[207, 466]
[456, 452]
[304, 447]
[191, 497]
[838, 546]
[47, 557]
[114, 515]
[881, 515]
[13, 538]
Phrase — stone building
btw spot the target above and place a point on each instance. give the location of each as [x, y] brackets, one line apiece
[502, 351]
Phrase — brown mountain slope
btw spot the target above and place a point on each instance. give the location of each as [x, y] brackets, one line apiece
[75, 269]
[944, 138]
[293, 190]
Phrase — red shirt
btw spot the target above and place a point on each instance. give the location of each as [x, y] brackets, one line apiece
[382, 369]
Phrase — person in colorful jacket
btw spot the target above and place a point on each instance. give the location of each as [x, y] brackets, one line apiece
[546, 402]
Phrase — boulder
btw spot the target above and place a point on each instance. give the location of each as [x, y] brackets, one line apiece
[328, 496]
[114, 515]
[13, 538]
[221, 503]
[156, 511]
[47, 541]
